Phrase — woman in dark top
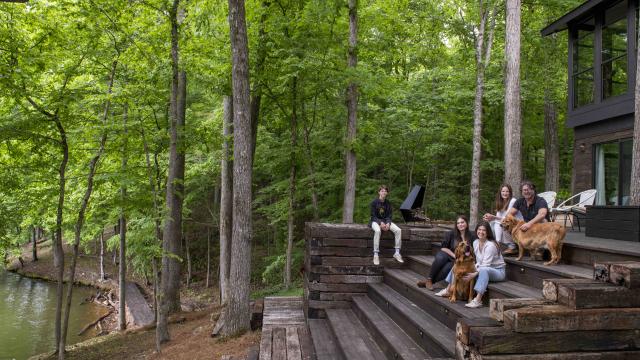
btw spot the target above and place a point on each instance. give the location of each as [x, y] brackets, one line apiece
[445, 257]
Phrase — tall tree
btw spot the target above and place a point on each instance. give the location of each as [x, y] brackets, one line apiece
[236, 313]
[551, 148]
[122, 266]
[635, 152]
[292, 180]
[226, 198]
[172, 235]
[93, 166]
[352, 118]
[483, 55]
[512, 112]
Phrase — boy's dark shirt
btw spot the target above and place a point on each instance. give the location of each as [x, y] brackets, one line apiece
[380, 211]
[530, 212]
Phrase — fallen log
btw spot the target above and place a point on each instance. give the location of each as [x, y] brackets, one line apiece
[90, 325]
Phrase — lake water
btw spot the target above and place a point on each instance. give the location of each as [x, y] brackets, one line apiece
[28, 313]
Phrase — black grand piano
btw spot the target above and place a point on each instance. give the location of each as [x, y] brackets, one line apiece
[411, 208]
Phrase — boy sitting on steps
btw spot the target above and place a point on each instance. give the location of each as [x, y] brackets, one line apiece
[381, 221]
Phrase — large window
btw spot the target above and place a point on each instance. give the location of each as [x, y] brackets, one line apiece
[613, 172]
[583, 80]
[614, 51]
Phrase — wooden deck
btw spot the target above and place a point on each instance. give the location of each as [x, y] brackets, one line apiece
[285, 335]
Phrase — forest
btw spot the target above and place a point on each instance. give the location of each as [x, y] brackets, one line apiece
[119, 113]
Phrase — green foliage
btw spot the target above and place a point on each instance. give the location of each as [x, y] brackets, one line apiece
[416, 80]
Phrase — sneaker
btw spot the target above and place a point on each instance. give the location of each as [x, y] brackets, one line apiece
[376, 259]
[398, 257]
[443, 293]
[475, 303]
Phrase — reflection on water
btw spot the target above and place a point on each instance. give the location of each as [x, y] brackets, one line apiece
[28, 315]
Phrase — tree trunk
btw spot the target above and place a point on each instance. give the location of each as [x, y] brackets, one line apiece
[635, 156]
[352, 117]
[186, 244]
[236, 314]
[172, 236]
[512, 115]
[551, 150]
[256, 93]
[483, 55]
[102, 255]
[226, 198]
[292, 181]
[58, 252]
[208, 257]
[122, 275]
[93, 165]
[122, 271]
[34, 250]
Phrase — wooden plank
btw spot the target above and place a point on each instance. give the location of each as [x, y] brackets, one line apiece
[279, 346]
[319, 304]
[593, 296]
[347, 270]
[497, 307]
[394, 342]
[464, 325]
[293, 344]
[368, 243]
[626, 274]
[350, 279]
[355, 342]
[266, 343]
[348, 231]
[304, 338]
[550, 286]
[608, 355]
[138, 310]
[386, 262]
[337, 287]
[338, 296]
[498, 340]
[323, 341]
[547, 318]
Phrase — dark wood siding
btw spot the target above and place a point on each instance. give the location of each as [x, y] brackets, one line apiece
[586, 137]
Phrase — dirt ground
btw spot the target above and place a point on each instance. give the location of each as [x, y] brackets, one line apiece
[190, 340]
[190, 334]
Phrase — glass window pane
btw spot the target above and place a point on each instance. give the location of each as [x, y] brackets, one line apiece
[583, 88]
[583, 50]
[626, 148]
[614, 51]
[614, 77]
[606, 173]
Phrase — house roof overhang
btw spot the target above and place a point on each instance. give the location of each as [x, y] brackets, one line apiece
[563, 23]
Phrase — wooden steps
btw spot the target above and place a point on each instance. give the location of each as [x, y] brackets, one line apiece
[383, 314]
[354, 341]
[323, 341]
[423, 328]
[285, 335]
[393, 341]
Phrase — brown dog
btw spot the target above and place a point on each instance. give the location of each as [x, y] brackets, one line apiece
[465, 263]
[538, 235]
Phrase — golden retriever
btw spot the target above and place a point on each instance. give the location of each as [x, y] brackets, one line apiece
[465, 263]
[538, 235]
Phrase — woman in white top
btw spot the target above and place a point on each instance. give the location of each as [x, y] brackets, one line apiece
[504, 202]
[490, 265]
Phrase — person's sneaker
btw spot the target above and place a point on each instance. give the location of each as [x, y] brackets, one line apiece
[443, 293]
[473, 303]
[398, 257]
[376, 259]
[510, 251]
[425, 284]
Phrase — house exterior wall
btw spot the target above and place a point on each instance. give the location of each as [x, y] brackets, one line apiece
[585, 139]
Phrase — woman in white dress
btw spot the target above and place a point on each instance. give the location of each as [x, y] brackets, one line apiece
[504, 201]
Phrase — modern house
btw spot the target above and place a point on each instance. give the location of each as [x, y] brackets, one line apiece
[601, 77]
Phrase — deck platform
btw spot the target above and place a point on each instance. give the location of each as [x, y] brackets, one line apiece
[285, 335]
